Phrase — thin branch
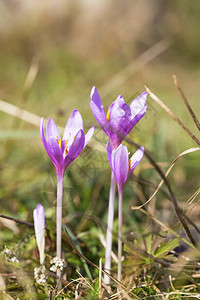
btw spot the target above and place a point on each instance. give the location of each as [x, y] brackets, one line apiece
[59, 281]
[196, 121]
[157, 100]
[17, 220]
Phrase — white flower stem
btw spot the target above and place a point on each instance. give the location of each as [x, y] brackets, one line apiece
[59, 215]
[120, 193]
[110, 228]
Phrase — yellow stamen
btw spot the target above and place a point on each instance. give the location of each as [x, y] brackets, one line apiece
[66, 150]
[108, 115]
[59, 142]
[129, 164]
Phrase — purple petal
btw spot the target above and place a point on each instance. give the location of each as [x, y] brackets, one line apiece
[136, 158]
[97, 108]
[44, 141]
[74, 124]
[75, 149]
[95, 98]
[120, 118]
[99, 116]
[119, 110]
[42, 134]
[138, 104]
[89, 135]
[109, 153]
[136, 119]
[119, 97]
[120, 164]
[54, 152]
[52, 130]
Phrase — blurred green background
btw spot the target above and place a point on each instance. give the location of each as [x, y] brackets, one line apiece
[68, 47]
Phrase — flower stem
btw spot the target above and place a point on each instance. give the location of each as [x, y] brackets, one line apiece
[110, 228]
[120, 193]
[59, 215]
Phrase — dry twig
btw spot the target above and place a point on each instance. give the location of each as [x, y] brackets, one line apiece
[196, 121]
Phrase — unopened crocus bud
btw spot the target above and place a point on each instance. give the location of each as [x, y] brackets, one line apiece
[39, 224]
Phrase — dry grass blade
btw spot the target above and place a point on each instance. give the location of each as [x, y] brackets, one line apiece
[19, 113]
[193, 197]
[166, 174]
[30, 79]
[196, 121]
[157, 100]
[23, 114]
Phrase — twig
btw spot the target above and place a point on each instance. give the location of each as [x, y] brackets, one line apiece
[156, 99]
[17, 220]
[64, 282]
[50, 295]
[196, 121]
[59, 281]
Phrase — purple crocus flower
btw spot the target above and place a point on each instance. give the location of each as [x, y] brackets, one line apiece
[122, 168]
[39, 225]
[63, 151]
[120, 118]
[121, 165]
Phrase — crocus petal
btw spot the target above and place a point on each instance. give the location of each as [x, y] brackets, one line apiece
[97, 108]
[99, 116]
[119, 109]
[75, 149]
[136, 119]
[136, 158]
[109, 153]
[120, 117]
[44, 141]
[52, 130]
[89, 135]
[42, 134]
[54, 152]
[74, 124]
[120, 164]
[39, 225]
[119, 97]
[138, 104]
[95, 98]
